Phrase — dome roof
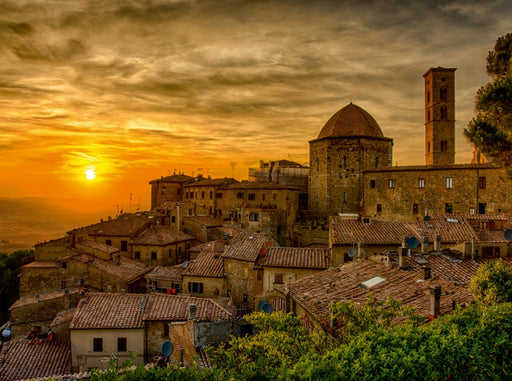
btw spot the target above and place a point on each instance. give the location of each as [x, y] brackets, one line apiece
[351, 120]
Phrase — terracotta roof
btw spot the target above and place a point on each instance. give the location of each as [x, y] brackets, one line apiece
[316, 292]
[259, 185]
[450, 267]
[451, 228]
[212, 182]
[174, 179]
[208, 264]
[206, 221]
[112, 310]
[176, 308]
[167, 273]
[127, 270]
[352, 232]
[125, 225]
[297, 257]
[351, 120]
[40, 265]
[246, 246]
[42, 297]
[217, 246]
[160, 236]
[22, 359]
[100, 246]
[63, 317]
[109, 310]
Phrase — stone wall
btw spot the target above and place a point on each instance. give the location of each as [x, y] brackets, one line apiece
[420, 190]
[212, 287]
[242, 279]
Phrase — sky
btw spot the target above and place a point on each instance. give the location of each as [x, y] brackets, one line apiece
[134, 90]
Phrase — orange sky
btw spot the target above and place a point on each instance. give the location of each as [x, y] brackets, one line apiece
[137, 90]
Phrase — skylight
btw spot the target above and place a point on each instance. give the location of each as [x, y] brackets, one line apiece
[372, 282]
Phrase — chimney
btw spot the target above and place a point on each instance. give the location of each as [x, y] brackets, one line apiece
[66, 299]
[402, 257]
[192, 311]
[427, 272]
[360, 250]
[435, 301]
[424, 245]
[437, 243]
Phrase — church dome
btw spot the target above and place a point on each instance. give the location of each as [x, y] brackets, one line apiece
[351, 120]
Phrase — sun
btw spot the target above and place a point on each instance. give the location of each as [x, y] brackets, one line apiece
[90, 174]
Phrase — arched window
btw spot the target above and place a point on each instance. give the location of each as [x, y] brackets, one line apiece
[444, 113]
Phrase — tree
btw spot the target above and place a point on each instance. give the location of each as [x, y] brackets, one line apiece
[10, 265]
[492, 283]
[491, 129]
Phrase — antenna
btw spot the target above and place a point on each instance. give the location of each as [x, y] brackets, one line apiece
[233, 165]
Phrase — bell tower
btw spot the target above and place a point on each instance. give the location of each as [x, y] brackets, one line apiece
[439, 116]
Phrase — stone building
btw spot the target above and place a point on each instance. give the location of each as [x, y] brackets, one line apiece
[350, 142]
[161, 245]
[205, 276]
[203, 192]
[169, 188]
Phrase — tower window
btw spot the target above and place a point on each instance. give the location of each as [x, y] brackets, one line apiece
[443, 93]
[428, 147]
[444, 146]
[391, 183]
[444, 113]
[428, 116]
[421, 183]
[428, 96]
[449, 182]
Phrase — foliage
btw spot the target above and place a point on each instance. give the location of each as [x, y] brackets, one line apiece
[492, 283]
[10, 265]
[491, 129]
[472, 343]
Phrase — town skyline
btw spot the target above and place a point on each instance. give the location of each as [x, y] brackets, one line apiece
[99, 99]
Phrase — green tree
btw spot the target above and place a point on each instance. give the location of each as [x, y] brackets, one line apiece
[10, 265]
[491, 129]
[492, 283]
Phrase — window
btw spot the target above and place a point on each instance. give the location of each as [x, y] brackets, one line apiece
[121, 344]
[97, 344]
[259, 274]
[240, 195]
[163, 190]
[444, 146]
[254, 217]
[175, 288]
[166, 330]
[153, 255]
[421, 183]
[274, 196]
[124, 245]
[263, 197]
[444, 112]
[428, 116]
[64, 265]
[190, 212]
[186, 194]
[278, 278]
[170, 253]
[449, 182]
[191, 194]
[245, 298]
[481, 208]
[179, 251]
[211, 195]
[195, 287]
[173, 219]
[471, 210]
[372, 184]
[108, 242]
[448, 208]
[391, 183]
[428, 146]
[428, 96]
[379, 208]
[443, 93]
[137, 255]
[414, 208]
[63, 284]
[202, 194]
[218, 195]
[251, 197]
[482, 183]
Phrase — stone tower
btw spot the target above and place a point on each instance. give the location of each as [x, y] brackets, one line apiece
[439, 116]
[350, 142]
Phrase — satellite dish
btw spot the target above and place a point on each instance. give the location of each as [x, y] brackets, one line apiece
[184, 264]
[412, 242]
[352, 252]
[263, 251]
[508, 234]
[167, 348]
[267, 308]
[427, 218]
[261, 304]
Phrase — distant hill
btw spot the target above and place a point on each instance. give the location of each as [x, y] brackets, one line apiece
[28, 220]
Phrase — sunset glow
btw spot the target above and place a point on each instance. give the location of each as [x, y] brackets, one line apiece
[126, 92]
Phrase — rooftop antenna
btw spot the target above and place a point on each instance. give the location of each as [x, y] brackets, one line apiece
[130, 208]
[233, 165]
